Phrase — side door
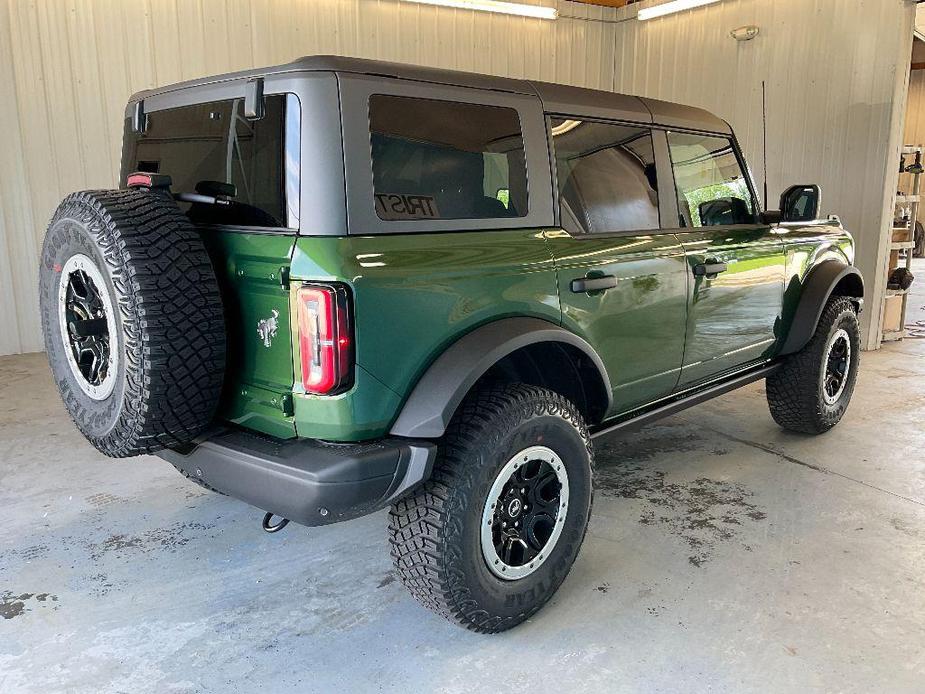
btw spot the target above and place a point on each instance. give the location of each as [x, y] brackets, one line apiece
[622, 280]
[736, 265]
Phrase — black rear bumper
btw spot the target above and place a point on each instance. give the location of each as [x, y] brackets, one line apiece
[309, 482]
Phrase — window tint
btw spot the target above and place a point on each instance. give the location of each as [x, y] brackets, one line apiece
[606, 176]
[446, 160]
[712, 189]
[207, 146]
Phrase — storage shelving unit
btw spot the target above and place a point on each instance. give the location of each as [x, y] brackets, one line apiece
[902, 238]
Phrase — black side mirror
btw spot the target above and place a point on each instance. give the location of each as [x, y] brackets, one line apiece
[800, 203]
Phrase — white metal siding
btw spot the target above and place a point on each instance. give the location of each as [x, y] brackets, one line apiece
[915, 121]
[68, 66]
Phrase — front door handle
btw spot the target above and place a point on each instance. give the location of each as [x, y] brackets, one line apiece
[711, 268]
[593, 284]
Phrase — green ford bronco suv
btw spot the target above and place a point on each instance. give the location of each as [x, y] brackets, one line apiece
[340, 285]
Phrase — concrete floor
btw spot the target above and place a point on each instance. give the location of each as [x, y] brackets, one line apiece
[724, 554]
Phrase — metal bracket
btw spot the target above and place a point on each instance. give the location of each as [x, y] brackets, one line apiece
[253, 99]
[139, 117]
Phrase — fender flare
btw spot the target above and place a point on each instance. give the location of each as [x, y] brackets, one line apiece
[437, 395]
[817, 288]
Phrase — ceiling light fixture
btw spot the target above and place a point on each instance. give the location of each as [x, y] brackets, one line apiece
[518, 8]
[671, 8]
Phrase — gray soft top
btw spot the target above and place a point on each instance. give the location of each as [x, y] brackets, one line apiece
[556, 98]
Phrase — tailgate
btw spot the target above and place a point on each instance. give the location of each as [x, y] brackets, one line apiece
[259, 374]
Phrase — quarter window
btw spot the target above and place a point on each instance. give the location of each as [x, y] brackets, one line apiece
[712, 189]
[437, 159]
[607, 177]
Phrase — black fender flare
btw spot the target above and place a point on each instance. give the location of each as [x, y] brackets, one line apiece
[437, 395]
[817, 287]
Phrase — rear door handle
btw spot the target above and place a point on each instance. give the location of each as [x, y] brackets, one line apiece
[710, 268]
[593, 284]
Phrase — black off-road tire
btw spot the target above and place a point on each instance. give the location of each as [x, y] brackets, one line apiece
[435, 532]
[795, 391]
[169, 336]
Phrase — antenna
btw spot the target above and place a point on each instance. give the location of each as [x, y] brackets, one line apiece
[764, 134]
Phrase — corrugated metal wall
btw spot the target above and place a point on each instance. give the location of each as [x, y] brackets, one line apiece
[915, 121]
[68, 66]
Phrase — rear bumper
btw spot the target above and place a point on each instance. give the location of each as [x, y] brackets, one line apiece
[309, 482]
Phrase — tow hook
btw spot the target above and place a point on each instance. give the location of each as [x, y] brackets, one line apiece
[276, 527]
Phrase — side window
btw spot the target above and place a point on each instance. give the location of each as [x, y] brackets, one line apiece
[212, 149]
[446, 160]
[606, 175]
[712, 189]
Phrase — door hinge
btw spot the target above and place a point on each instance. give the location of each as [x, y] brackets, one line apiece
[285, 404]
[284, 277]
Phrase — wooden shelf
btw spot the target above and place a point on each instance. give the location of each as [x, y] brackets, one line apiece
[901, 245]
[896, 292]
[893, 335]
[902, 199]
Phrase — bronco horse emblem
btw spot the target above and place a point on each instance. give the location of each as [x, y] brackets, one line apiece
[266, 328]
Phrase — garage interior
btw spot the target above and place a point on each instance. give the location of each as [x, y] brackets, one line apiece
[723, 553]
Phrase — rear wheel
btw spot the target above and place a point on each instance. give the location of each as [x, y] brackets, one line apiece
[490, 537]
[812, 389]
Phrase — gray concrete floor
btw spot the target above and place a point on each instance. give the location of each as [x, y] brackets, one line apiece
[723, 554]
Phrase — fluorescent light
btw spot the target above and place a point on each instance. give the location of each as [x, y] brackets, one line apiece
[671, 8]
[518, 8]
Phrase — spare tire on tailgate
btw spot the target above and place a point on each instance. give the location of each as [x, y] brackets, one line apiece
[132, 319]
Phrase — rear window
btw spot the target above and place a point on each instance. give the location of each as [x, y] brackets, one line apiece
[204, 148]
[446, 160]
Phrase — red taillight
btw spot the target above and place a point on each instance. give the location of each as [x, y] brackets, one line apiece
[325, 339]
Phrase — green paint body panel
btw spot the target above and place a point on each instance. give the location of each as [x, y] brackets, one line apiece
[414, 295]
[805, 246]
[734, 316]
[258, 378]
[636, 327]
[660, 329]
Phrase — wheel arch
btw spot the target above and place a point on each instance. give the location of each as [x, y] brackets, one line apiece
[832, 277]
[524, 349]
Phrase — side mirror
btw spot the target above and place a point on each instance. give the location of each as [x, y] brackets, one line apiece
[800, 203]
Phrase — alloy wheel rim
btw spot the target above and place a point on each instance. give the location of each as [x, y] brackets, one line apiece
[837, 366]
[524, 513]
[87, 322]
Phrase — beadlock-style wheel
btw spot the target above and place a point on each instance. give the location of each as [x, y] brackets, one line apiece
[524, 513]
[132, 320]
[811, 390]
[837, 364]
[88, 327]
[490, 537]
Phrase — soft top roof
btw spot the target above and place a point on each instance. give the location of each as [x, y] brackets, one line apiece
[556, 98]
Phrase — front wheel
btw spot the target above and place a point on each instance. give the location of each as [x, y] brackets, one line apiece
[812, 389]
[490, 537]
